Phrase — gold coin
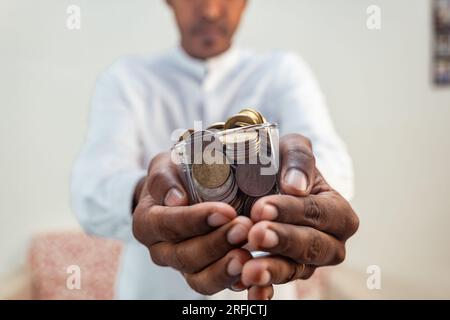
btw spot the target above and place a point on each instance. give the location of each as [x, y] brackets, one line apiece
[211, 175]
[221, 193]
[239, 120]
[254, 114]
[251, 115]
[217, 126]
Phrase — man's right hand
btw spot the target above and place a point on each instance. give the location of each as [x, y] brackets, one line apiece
[202, 241]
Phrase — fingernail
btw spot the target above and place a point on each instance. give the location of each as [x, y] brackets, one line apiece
[270, 239]
[269, 212]
[234, 267]
[174, 197]
[264, 279]
[296, 179]
[237, 234]
[217, 220]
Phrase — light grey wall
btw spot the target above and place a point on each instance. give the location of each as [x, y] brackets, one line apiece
[377, 84]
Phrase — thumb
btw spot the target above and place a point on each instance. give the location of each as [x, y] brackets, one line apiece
[297, 165]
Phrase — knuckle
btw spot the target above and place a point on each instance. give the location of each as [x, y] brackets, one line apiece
[198, 286]
[339, 255]
[296, 138]
[180, 260]
[190, 279]
[299, 157]
[285, 243]
[353, 224]
[137, 224]
[314, 213]
[216, 248]
[314, 250]
[154, 226]
[156, 175]
[157, 258]
[300, 152]
[167, 229]
[307, 141]
[308, 156]
[155, 160]
[351, 220]
[140, 226]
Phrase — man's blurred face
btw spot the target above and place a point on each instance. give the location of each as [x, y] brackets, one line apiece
[207, 26]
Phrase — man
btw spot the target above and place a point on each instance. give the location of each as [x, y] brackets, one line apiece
[125, 185]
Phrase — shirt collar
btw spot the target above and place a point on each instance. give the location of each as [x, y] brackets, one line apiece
[201, 69]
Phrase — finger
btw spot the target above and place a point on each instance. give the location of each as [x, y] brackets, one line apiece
[195, 254]
[154, 223]
[260, 293]
[220, 275]
[238, 286]
[274, 270]
[328, 212]
[164, 183]
[302, 244]
[297, 165]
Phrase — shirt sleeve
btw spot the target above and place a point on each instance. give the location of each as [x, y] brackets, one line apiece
[109, 165]
[298, 105]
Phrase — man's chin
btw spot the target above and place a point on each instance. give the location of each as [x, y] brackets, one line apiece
[211, 47]
[205, 47]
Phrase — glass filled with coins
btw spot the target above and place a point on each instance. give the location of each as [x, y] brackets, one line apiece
[235, 161]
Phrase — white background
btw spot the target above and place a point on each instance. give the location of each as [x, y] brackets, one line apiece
[378, 85]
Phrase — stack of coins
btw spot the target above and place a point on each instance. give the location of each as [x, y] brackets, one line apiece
[240, 147]
[236, 177]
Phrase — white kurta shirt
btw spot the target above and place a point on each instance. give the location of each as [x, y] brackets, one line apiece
[140, 100]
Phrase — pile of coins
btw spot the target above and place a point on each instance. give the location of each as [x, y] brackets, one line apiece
[233, 174]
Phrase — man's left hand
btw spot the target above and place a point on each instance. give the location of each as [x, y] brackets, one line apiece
[303, 228]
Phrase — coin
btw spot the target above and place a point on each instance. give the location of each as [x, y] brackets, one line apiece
[185, 136]
[218, 126]
[239, 120]
[232, 195]
[211, 175]
[258, 117]
[248, 205]
[238, 202]
[252, 182]
[198, 142]
[237, 137]
[238, 148]
[220, 193]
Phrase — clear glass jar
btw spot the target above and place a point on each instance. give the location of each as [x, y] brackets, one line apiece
[236, 166]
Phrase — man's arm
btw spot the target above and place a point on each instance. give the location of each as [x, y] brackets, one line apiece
[109, 166]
